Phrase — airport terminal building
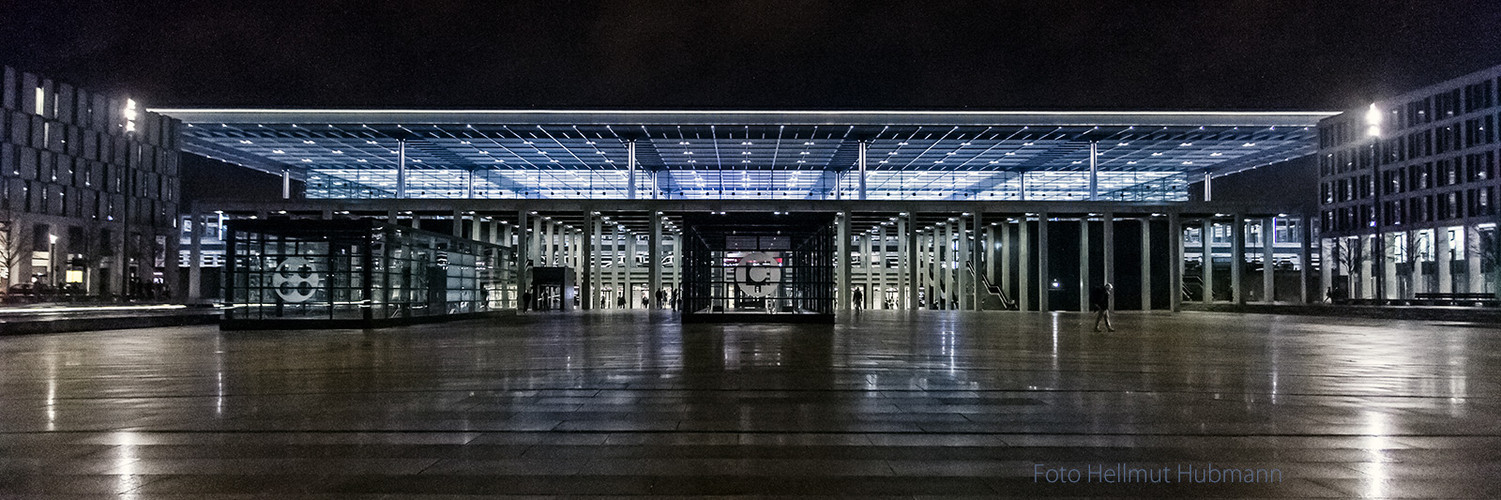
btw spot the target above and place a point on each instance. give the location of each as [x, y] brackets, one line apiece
[934, 210]
[761, 215]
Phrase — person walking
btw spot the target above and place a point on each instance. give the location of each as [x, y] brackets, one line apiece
[858, 298]
[1099, 299]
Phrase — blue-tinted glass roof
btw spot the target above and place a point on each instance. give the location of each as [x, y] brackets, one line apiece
[749, 154]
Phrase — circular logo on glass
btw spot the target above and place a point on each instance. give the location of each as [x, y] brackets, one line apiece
[758, 274]
[296, 280]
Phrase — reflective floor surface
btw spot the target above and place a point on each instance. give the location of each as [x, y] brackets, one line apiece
[891, 404]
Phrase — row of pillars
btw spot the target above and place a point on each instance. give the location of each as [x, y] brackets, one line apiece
[947, 265]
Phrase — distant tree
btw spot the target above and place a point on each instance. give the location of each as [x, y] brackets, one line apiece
[12, 250]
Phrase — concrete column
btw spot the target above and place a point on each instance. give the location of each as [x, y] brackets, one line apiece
[880, 256]
[1305, 258]
[1094, 172]
[630, 182]
[1237, 258]
[535, 241]
[401, 169]
[1472, 260]
[524, 251]
[596, 261]
[866, 248]
[1207, 239]
[842, 246]
[458, 224]
[861, 164]
[286, 183]
[195, 259]
[911, 262]
[630, 271]
[1108, 254]
[1175, 262]
[1006, 242]
[943, 254]
[416, 220]
[505, 236]
[654, 259]
[391, 217]
[617, 268]
[1146, 264]
[1084, 280]
[1024, 285]
[903, 252]
[979, 256]
[1445, 255]
[1268, 263]
[964, 288]
[1044, 277]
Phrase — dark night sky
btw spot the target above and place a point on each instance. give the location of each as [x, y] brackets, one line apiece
[1266, 54]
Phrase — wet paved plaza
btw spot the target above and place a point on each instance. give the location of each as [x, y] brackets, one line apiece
[887, 405]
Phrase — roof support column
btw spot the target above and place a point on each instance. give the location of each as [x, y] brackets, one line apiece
[1006, 242]
[617, 267]
[963, 267]
[286, 183]
[1107, 234]
[879, 297]
[1237, 258]
[906, 288]
[630, 270]
[1208, 187]
[1044, 284]
[1305, 257]
[1084, 280]
[1146, 264]
[654, 260]
[596, 261]
[863, 146]
[1024, 266]
[979, 254]
[1174, 262]
[195, 258]
[1094, 170]
[1206, 238]
[469, 184]
[1268, 273]
[523, 258]
[842, 247]
[401, 169]
[630, 179]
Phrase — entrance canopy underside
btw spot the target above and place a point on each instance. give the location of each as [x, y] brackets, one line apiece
[1139, 156]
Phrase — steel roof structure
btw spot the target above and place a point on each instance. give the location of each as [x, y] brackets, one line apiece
[954, 155]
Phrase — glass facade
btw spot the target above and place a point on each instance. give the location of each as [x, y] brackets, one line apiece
[749, 264]
[359, 272]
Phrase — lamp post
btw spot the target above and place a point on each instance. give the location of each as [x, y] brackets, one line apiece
[1373, 130]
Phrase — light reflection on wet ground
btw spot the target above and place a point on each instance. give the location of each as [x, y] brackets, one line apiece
[889, 404]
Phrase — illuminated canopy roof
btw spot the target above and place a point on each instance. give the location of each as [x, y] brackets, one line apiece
[748, 154]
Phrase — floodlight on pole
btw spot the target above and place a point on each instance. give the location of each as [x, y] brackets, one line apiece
[1373, 130]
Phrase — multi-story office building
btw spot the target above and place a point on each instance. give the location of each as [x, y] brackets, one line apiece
[1408, 192]
[88, 191]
